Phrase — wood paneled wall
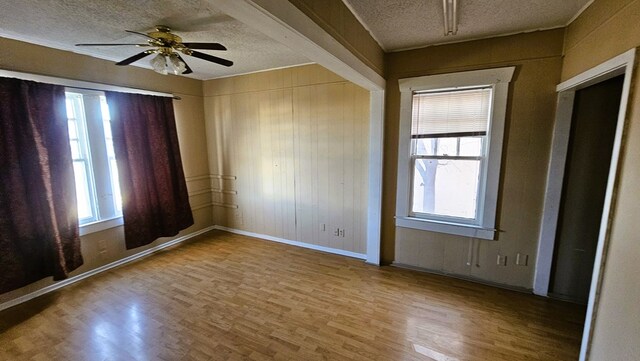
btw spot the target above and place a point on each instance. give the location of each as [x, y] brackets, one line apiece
[288, 150]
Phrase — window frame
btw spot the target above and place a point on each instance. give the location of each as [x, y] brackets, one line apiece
[481, 181]
[102, 194]
[484, 225]
[85, 154]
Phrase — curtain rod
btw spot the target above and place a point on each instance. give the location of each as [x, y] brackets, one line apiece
[175, 97]
[80, 84]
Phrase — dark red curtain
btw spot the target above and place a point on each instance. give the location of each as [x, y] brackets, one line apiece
[155, 201]
[38, 210]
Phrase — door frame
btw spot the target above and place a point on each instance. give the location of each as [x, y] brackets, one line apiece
[619, 65]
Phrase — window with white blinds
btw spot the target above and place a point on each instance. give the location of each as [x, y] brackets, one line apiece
[457, 113]
[450, 149]
[448, 153]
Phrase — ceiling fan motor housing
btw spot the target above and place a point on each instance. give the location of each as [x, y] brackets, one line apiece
[164, 36]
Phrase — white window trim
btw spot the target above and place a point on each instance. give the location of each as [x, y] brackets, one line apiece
[101, 225]
[84, 145]
[499, 79]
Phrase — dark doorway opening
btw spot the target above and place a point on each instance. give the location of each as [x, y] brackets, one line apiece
[593, 128]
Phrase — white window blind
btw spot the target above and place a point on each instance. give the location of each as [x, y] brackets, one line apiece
[451, 113]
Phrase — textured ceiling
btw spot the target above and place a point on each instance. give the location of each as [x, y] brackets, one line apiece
[63, 23]
[396, 24]
[405, 24]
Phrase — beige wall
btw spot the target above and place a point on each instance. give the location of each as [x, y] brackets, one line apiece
[23, 57]
[337, 20]
[528, 131]
[608, 28]
[296, 141]
[605, 29]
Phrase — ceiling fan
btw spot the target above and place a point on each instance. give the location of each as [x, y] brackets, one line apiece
[168, 47]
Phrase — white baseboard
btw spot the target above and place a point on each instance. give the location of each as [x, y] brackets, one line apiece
[100, 269]
[294, 243]
[464, 278]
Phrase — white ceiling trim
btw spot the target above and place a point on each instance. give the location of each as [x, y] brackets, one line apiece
[258, 71]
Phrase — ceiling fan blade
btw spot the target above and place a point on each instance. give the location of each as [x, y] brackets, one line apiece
[141, 34]
[211, 58]
[187, 67]
[205, 46]
[136, 57]
[112, 44]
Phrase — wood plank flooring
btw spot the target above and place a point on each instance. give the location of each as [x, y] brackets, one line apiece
[230, 297]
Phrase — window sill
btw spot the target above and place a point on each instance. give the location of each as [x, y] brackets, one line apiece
[459, 229]
[100, 225]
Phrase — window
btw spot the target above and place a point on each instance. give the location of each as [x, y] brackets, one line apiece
[81, 160]
[94, 163]
[450, 151]
[448, 134]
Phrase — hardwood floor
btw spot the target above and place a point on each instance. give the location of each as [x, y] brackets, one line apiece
[229, 297]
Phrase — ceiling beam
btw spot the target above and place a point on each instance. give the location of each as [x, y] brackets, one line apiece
[284, 22]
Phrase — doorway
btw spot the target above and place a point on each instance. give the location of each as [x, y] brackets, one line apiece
[592, 134]
[555, 197]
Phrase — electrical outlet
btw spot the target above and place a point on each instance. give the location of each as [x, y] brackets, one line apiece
[341, 233]
[522, 259]
[336, 232]
[501, 261]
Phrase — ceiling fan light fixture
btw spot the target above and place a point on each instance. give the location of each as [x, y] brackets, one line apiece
[177, 66]
[159, 64]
